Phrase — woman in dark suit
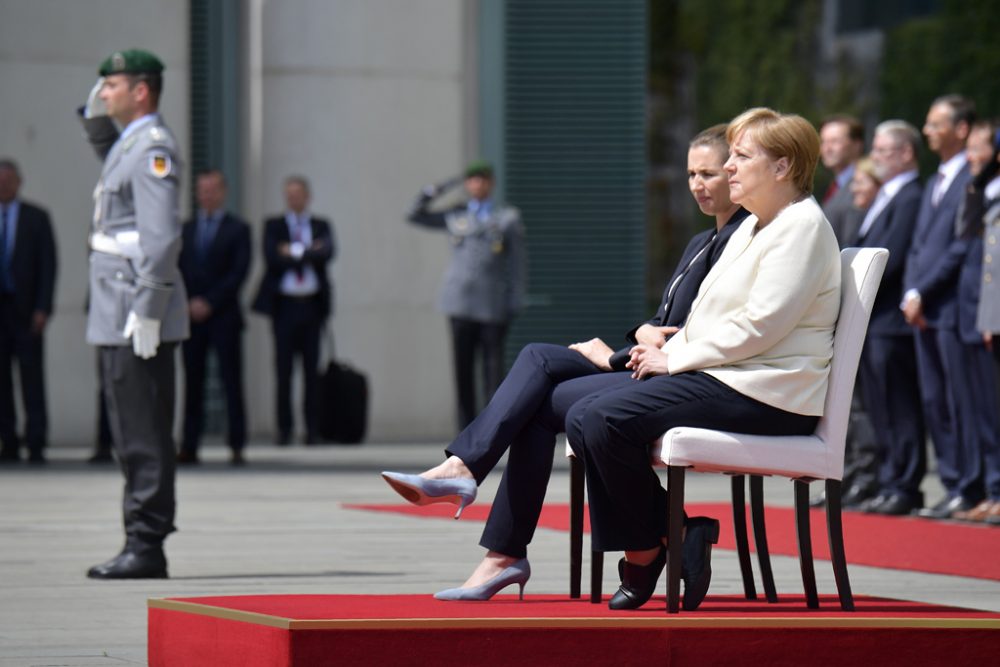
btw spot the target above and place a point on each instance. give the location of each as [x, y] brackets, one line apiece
[529, 408]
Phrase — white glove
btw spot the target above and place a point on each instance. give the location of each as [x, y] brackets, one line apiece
[145, 334]
[95, 105]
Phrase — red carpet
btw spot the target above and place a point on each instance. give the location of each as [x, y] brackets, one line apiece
[318, 630]
[899, 543]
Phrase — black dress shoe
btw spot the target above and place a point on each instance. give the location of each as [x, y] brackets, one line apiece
[188, 457]
[944, 508]
[871, 505]
[101, 456]
[696, 569]
[895, 504]
[856, 495]
[37, 457]
[638, 582]
[132, 564]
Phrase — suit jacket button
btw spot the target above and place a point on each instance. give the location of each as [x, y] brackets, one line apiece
[119, 275]
[987, 278]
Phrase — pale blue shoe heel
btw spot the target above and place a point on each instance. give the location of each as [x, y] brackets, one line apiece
[518, 573]
[422, 491]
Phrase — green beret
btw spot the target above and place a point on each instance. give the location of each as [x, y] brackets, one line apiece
[479, 168]
[131, 61]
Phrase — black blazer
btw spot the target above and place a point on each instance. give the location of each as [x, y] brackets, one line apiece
[893, 229]
[219, 276]
[674, 308]
[324, 249]
[33, 263]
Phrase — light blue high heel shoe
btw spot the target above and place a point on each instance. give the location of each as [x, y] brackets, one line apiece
[518, 573]
[421, 491]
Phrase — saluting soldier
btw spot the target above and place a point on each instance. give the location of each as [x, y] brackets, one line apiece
[484, 284]
[138, 306]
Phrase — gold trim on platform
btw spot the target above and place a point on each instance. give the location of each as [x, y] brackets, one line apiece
[673, 621]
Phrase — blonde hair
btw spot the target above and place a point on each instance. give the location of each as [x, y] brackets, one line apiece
[867, 167]
[781, 135]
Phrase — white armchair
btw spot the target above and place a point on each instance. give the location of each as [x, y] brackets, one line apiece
[819, 456]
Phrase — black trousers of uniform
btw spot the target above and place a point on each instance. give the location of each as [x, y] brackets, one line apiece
[139, 394]
[611, 431]
[18, 343]
[523, 418]
[297, 323]
[223, 336]
[468, 337]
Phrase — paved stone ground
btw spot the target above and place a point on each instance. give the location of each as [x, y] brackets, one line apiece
[278, 526]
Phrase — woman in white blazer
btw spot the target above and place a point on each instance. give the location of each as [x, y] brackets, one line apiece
[753, 356]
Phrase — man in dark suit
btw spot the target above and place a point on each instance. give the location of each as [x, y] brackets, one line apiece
[27, 281]
[930, 304]
[888, 362]
[295, 293]
[214, 261]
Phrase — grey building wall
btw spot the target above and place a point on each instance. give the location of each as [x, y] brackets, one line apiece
[370, 100]
[49, 54]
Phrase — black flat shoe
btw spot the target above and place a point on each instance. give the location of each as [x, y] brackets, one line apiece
[638, 582]
[696, 569]
[129, 564]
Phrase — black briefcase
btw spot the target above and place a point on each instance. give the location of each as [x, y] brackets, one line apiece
[343, 409]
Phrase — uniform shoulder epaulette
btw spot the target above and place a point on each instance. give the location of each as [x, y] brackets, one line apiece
[158, 135]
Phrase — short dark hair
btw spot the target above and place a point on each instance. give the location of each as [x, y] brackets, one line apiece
[8, 163]
[298, 179]
[212, 171]
[152, 80]
[855, 130]
[963, 110]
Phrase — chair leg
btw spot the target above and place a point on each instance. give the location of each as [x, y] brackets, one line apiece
[805, 543]
[596, 576]
[740, 531]
[760, 536]
[675, 546]
[575, 526]
[835, 530]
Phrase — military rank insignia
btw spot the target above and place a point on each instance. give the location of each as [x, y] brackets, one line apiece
[159, 164]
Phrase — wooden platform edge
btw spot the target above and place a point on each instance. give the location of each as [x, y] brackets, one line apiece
[682, 621]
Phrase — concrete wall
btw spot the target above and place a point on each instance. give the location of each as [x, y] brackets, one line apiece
[49, 54]
[366, 100]
[370, 100]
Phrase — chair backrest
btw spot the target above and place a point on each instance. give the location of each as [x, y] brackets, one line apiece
[861, 274]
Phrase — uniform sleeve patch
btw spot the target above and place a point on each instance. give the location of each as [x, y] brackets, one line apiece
[159, 164]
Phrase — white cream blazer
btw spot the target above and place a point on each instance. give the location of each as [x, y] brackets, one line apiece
[764, 317]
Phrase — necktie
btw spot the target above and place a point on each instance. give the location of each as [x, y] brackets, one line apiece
[207, 232]
[831, 190]
[300, 235]
[938, 190]
[4, 269]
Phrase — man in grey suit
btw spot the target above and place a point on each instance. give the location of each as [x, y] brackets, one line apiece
[842, 141]
[484, 284]
[138, 305]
